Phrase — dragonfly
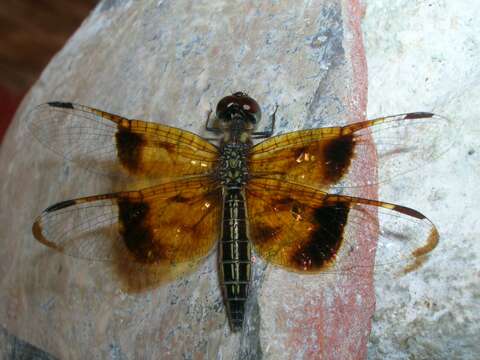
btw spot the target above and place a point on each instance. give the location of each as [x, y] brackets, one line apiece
[282, 197]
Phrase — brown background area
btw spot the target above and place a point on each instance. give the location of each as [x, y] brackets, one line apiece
[31, 32]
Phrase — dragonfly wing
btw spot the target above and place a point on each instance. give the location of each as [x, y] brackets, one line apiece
[333, 157]
[120, 148]
[310, 231]
[154, 230]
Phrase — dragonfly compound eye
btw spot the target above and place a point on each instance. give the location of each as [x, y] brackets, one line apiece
[241, 104]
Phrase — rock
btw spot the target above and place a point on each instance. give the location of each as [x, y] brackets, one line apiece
[423, 56]
[170, 62]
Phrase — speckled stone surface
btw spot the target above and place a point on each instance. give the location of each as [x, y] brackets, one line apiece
[13, 348]
[170, 62]
[423, 55]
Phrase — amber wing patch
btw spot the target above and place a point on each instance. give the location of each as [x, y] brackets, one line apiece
[307, 230]
[158, 227]
[123, 149]
[326, 157]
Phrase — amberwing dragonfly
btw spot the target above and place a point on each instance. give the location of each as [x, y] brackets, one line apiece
[283, 195]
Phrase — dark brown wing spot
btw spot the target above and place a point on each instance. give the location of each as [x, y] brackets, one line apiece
[264, 233]
[129, 148]
[179, 199]
[297, 210]
[338, 156]
[325, 239]
[283, 201]
[136, 232]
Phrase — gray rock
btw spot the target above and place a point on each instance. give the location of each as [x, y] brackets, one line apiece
[170, 62]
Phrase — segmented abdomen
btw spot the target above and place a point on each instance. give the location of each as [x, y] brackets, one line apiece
[234, 257]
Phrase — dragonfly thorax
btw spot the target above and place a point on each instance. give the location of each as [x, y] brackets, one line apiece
[233, 170]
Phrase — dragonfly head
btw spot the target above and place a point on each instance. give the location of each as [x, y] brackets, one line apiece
[238, 109]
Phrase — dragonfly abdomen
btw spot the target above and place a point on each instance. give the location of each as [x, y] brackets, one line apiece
[234, 256]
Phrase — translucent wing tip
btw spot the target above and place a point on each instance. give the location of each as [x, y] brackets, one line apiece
[421, 254]
[37, 231]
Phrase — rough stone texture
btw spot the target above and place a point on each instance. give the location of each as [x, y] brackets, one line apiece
[423, 55]
[13, 348]
[170, 61]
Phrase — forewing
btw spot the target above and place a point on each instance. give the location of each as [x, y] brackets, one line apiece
[118, 147]
[328, 157]
[168, 224]
[306, 230]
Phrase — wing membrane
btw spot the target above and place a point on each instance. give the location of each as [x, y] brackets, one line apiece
[170, 223]
[118, 147]
[310, 231]
[327, 157]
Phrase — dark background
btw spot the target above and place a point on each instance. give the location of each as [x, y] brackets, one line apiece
[31, 32]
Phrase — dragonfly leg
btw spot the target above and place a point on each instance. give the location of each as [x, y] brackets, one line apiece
[268, 133]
